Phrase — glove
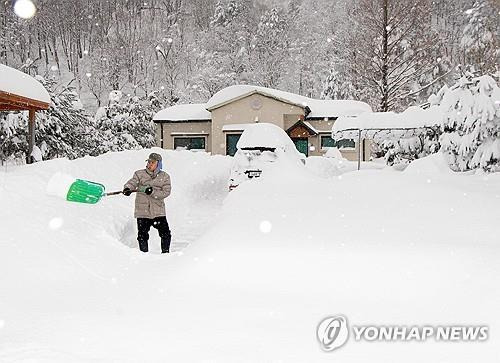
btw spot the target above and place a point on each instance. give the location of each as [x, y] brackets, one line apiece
[127, 192]
[146, 189]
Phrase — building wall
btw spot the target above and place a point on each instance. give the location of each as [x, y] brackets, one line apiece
[326, 125]
[191, 129]
[243, 111]
[249, 110]
[291, 119]
[315, 141]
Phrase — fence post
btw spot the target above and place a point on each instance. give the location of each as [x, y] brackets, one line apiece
[359, 149]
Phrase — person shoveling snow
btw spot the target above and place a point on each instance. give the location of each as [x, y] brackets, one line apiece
[152, 186]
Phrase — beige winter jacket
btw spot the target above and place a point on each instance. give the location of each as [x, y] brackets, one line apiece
[150, 206]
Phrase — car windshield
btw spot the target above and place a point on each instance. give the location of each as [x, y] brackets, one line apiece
[262, 154]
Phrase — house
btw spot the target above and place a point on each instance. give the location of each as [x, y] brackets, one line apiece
[217, 125]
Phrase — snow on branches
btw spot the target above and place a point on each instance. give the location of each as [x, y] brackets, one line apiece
[471, 128]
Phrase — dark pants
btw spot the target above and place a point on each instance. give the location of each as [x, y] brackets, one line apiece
[161, 224]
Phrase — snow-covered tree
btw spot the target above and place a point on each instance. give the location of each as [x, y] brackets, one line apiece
[222, 53]
[13, 136]
[64, 129]
[270, 49]
[314, 45]
[336, 88]
[126, 123]
[471, 129]
[480, 39]
[391, 44]
[397, 150]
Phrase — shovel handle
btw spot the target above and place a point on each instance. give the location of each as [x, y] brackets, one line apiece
[118, 192]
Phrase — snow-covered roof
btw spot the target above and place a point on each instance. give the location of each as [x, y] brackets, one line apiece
[21, 84]
[336, 108]
[413, 117]
[319, 108]
[308, 124]
[264, 135]
[372, 122]
[189, 112]
[233, 93]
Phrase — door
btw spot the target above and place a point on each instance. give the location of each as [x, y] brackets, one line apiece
[231, 141]
[302, 144]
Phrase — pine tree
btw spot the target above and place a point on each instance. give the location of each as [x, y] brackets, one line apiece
[480, 37]
[269, 49]
[13, 136]
[391, 44]
[471, 135]
[126, 123]
[223, 59]
[402, 150]
[64, 128]
[335, 88]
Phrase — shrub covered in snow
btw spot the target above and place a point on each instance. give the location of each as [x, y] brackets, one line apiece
[471, 127]
[64, 129]
[404, 150]
[13, 135]
[126, 123]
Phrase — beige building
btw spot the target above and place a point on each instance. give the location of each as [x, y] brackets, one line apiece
[216, 126]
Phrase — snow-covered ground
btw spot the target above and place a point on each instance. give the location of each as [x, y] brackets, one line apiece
[254, 272]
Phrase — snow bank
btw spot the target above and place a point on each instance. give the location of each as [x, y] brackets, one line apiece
[333, 152]
[59, 184]
[259, 270]
[198, 176]
[432, 164]
[326, 167]
[384, 248]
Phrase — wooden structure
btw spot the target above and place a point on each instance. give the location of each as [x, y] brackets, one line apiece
[21, 92]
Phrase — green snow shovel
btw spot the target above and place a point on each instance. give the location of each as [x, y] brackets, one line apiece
[84, 191]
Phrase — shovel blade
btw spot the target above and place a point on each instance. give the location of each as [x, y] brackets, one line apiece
[84, 191]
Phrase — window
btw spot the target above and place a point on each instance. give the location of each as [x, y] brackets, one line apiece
[189, 143]
[231, 141]
[345, 144]
[327, 141]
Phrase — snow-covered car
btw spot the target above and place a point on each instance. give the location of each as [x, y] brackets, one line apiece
[259, 147]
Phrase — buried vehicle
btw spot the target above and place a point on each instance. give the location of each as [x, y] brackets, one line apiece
[260, 145]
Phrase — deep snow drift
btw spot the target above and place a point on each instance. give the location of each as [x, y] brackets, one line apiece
[253, 272]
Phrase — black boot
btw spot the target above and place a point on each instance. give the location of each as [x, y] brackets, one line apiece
[165, 244]
[143, 246]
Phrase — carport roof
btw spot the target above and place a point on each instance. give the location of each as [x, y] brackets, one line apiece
[20, 91]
